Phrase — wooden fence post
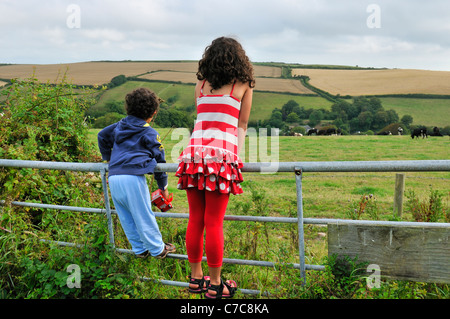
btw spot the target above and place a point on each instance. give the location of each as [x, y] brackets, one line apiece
[398, 196]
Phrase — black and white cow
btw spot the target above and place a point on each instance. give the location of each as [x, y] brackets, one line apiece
[418, 132]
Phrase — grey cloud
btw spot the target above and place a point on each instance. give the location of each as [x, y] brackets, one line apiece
[413, 33]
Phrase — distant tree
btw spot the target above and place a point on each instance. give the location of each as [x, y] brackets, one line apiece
[392, 116]
[117, 80]
[315, 117]
[445, 130]
[407, 120]
[115, 107]
[299, 129]
[107, 119]
[292, 118]
[365, 120]
[276, 120]
[380, 119]
[288, 108]
[374, 105]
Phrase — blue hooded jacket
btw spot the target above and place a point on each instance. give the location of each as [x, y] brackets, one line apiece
[132, 147]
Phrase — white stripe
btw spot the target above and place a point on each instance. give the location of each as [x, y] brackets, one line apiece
[222, 117]
[226, 99]
[216, 134]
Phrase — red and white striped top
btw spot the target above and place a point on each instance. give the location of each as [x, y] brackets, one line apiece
[217, 123]
[210, 161]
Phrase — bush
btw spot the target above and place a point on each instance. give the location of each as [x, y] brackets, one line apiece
[43, 122]
[427, 210]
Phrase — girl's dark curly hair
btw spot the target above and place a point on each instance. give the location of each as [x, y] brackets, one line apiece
[141, 103]
[223, 62]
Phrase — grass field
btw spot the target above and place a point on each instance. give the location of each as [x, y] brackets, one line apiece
[432, 112]
[327, 195]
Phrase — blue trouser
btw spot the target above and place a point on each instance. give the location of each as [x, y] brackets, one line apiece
[131, 199]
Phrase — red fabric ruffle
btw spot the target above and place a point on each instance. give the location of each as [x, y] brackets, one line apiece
[211, 169]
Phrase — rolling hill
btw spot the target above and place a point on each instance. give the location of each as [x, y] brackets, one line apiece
[423, 94]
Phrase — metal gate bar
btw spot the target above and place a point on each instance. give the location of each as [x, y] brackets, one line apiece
[297, 167]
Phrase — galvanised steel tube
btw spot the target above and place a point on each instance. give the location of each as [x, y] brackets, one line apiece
[301, 241]
[344, 166]
[264, 219]
[355, 166]
[68, 166]
[237, 261]
[107, 207]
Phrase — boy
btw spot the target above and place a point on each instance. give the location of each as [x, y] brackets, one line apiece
[132, 148]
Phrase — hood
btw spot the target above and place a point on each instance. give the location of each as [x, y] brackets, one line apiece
[128, 127]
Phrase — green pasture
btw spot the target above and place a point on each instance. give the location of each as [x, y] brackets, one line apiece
[183, 92]
[329, 194]
[430, 112]
[263, 102]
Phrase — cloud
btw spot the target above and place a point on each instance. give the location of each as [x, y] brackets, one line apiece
[296, 31]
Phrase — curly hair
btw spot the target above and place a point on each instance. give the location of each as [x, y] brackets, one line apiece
[141, 103]
[223, 62]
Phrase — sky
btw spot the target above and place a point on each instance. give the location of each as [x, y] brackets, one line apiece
[407, 34]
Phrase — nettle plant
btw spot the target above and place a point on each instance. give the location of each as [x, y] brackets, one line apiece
[366, 205]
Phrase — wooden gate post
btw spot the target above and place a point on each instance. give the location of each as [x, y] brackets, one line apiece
[398, 196]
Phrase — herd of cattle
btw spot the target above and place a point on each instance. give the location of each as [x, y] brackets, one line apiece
[329, 131]
[415, 133]
[422, 132]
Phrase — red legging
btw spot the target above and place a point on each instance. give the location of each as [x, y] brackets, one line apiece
[206, 210]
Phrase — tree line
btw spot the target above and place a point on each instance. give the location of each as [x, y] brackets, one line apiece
[351, 115]
[361, 114]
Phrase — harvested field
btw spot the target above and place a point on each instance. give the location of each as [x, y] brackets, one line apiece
[378, 82]
[97, 73]
[91, 73]
[183, 77]
[2, 83]
[281, 85]
[267, 71]
[343, 82]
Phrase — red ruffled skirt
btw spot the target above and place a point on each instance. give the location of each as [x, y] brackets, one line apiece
[211, 169]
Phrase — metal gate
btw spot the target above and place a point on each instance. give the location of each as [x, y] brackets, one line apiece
[296, 168]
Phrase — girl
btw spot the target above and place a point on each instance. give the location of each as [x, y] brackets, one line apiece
[210, 166]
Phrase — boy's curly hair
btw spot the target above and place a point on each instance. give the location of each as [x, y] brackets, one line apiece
[223, 62]
[141, 103]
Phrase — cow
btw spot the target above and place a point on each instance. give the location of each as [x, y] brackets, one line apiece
[333, 131]
[436, 132]
[298, 134]
[385, 133]
[417, 132]
[311, 131]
